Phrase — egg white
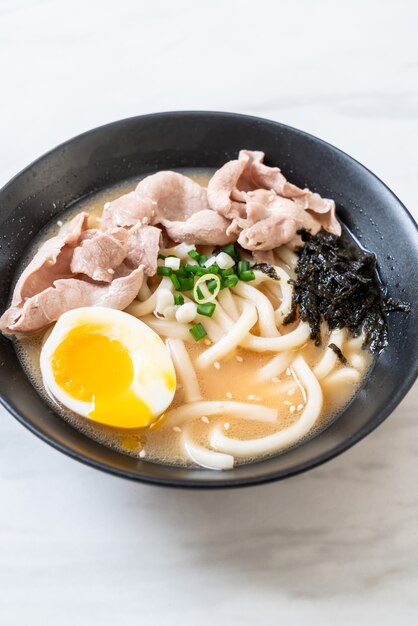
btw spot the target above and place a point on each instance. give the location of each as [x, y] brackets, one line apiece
[151, 360]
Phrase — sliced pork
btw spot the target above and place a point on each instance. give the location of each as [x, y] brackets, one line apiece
[99, 256]
[128, 210]
[52, 261]
[142, 248]
[266, 209]
[204, 227]
[176, 196]
[66, 294]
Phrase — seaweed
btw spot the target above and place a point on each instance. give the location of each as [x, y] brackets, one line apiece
[266, 269]
[340, 286]
[338, 352]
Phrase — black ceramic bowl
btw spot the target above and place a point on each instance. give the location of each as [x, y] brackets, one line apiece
[112, 153]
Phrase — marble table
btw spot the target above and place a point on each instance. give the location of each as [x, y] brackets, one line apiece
[338, 545]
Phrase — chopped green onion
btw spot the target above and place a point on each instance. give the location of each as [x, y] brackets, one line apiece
[202, 259]
[247, 276]
[192, 269]
[206, 288]
[175, 281]
[178, 299]
[186, 284]
[243, 266]
[213, 269]
[228, 272]
[231, 250]
[206, 309]
[197, 332]
[161, 256]
[193, 254]
[162, 270]
[181, 271]
[212, 285]
[229, 281]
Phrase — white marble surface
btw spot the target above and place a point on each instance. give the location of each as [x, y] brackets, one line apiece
[338, 545]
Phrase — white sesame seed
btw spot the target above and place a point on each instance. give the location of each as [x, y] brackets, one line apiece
[59, 223]
[288, 371]
[239, 358]
[258, 398]
[250, 194]
[152, 213]
[177, 429]
[226, 425]
[275, 379]
[299, 407]
[251, 397]
[291, 392]
[287, 402]
[145, 220]
[106, 205]
[207, 341]
[111, 271]
[271, 197]
[205, 419]
[217, 365]
[99, 219]
[228, 394]
[142, 454]
[292, 408]
[154, 202]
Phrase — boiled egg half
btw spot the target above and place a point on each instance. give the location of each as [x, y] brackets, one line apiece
[109, 367]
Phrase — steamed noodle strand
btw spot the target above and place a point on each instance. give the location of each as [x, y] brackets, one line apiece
[207, 458]
[138, 309]
[184, 370]
[232, 339]
[227, 301]
[294, 339]
[189, 412]
[265, 309]
[329, 359]
[284, 438]
[275, 366]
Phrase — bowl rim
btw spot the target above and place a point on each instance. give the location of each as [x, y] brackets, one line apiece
[196, 483]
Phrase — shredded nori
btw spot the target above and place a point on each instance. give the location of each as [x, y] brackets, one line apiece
[266, 269]
[341, 287]
[338, 352]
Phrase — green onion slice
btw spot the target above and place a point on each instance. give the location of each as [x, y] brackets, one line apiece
[197, 332]
[206, 309]
[201, 288]
[178, 299]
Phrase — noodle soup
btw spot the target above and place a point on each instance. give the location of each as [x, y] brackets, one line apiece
[250, 387]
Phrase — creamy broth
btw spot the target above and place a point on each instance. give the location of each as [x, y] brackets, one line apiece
[235, 378]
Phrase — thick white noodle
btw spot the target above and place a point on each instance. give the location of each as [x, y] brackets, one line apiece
[184, 370]
[274, 367]
[292, 340]
[329, 359]
[222, 318]
[144, 308]
[214, 331]
[284, 438]
[167, 328]
[145, 292]
[205, 457]
[232, 339]
[265, 309]
[343, 377]
[224, 408]
[226, 299]
[286, 292]
[181, 251]
[356, 360]
[287, 256]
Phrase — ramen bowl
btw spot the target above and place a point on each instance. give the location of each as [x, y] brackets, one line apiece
[132, 147]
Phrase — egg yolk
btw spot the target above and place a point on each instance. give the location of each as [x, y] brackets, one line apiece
[91, 367]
